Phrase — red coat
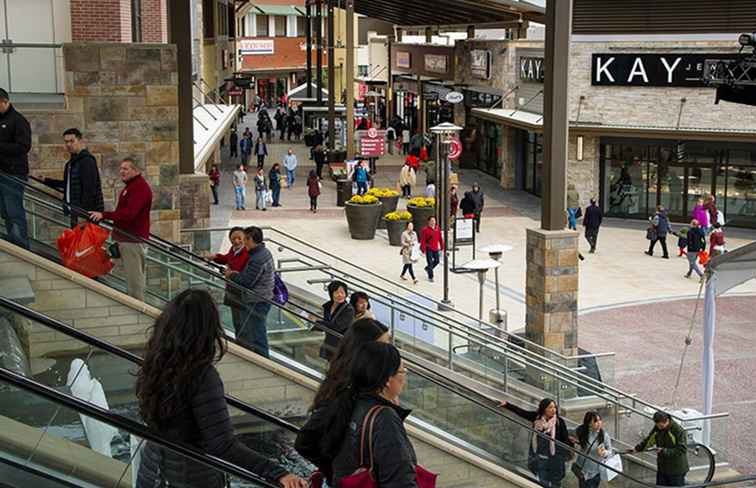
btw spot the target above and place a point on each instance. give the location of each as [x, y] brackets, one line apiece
[716, 238]
[132, 214]
[235, 262]
[313, 187]
[431, 239]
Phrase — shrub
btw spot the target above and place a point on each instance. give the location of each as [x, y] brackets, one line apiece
[383, 192]
[422, 202]
[363, 200]
[396, 216]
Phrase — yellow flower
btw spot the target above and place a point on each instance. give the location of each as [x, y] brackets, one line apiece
[357, 199]
[368, 199]
[396, 216]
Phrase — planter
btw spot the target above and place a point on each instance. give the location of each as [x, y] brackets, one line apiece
[389, 205]
[420, 216]
[362, 219]
[395, 229]
[336, 156]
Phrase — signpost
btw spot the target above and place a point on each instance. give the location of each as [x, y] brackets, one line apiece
[464, 235]
[372, 143]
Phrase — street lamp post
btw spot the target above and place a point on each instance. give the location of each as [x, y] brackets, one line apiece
[495, 251]
[481, 266]
[443, 133]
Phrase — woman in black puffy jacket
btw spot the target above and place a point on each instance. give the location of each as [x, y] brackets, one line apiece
[181, 396]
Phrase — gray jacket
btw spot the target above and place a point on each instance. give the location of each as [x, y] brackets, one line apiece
[257, 276]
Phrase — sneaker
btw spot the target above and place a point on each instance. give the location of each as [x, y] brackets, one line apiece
[264, 209]
[687, 275]
[648, 253]
[665, 257]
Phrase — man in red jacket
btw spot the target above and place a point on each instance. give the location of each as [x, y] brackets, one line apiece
[132, 216]
[431, 244]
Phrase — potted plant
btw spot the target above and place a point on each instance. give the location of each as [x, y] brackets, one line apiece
[389, 198]
[395, 223]
[421, 209]
[362, 214]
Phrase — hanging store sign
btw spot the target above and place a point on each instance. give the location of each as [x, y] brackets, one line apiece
[531, 69]
[480, 63]
[476, 99]
[454, 97]
[254, 47]
[403, 60]
[673, 69]
[436, 63]
[372, 143]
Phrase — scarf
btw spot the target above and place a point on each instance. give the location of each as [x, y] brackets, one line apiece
[548, 427]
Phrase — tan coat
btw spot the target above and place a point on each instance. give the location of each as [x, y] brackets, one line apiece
[407, 176]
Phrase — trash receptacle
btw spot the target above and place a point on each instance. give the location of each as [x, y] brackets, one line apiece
[343, 192]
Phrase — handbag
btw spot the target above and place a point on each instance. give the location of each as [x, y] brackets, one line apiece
[651, 234]
[578, 470]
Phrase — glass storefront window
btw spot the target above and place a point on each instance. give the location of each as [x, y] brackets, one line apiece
[533, 163]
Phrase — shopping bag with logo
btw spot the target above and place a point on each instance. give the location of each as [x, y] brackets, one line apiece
[703, 257]
[81, 250]
[614, 462]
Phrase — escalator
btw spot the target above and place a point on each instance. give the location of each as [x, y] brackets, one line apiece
[445, 404]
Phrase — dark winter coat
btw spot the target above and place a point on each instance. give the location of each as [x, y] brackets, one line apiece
[394, 458]
[340, 321]
[203, 422]
[257, 276]
[274, 179]
[478, 199]
[313, 187]
[467, 205]
[593, 217]
[310, 442]
[15, 143]
[673, 459]
[81, 184]
[662, 225]
[696, 239]
[264, 147]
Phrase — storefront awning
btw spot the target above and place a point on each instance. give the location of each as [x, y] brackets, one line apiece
[511, 117]
[211, 122]
[262, 9]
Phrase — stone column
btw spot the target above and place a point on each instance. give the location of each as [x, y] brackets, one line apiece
[552, 295]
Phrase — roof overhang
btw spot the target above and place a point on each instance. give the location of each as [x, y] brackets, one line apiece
[211, 122]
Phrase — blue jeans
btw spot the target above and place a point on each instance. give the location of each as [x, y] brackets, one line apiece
[433, 258]
[260, 194]
[276, 195]
[241, 195]
[362, 187]
[572, 218]
[290, 175]
[253, 331]
[12, 211]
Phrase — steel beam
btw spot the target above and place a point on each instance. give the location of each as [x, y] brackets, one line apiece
[308, 43]
[319, 50]
[180, 31]
[331, 77]
[350, 78]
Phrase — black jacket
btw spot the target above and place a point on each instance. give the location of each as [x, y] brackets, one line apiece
[593, 217]
[478, 199]
[204, 423]
[467, 205]
[15, 143]
[311, 438]
[81, 184]
[394, 458]
[340, 321]
[696, 239]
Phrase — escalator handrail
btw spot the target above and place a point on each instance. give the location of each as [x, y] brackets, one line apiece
[37, 472]
[72, 332]
[128, 425]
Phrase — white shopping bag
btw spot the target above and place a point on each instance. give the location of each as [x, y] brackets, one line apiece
[614, 461]
[415, 253]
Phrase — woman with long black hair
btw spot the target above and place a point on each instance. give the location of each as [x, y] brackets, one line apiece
[546, 457]
[181, 396]
[593, 442]
[338, 315]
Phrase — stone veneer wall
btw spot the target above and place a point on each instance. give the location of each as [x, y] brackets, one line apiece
[124, 99]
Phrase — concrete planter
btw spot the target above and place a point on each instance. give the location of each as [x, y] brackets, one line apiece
[362, 219]
[420, 216]
[395, 229]
[389, 205]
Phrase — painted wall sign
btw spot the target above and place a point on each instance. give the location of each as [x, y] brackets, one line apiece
[256, 46]
[480, 63]
[403, 60]
[531, 69]
[436, 63]
[673, 69]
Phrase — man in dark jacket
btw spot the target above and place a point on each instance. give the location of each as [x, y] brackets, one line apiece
[15, 143]
[257, 277]
[696, 244]
[81, 184]
[592, 222]
[662, 227]
[671, 450]
[479, 200]
[233, 143]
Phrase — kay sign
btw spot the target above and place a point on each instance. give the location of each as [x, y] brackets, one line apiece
[672, 69]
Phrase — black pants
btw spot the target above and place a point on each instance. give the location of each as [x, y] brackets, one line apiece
[591, 235]
[407, 191]
[215, 194]
[661, 239]
[234, 151]
[408, 269]
[477, 221]
[670, 479]
[319, 169]
[260, 160]
[313, 203]
[433, 258]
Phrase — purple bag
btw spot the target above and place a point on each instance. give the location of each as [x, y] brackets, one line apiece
[280, 292]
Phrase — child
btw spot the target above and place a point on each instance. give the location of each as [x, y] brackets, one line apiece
[430, 189]
[682, 241]
[235, 260]
[313, 190]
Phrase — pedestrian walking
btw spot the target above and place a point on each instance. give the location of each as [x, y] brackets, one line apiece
[390, 139]
[696, 244]
[235, 259]
[700, 214]
[215, 177]
[416, 143]
[406, 141]
[409, 252]
[260, 190]
[319, 155]
[431, 244]
[274, 183]
[132, 216]
[478, 198]
[453, 202]
[671, 442]
[573, 206]
[338, 315]
[716, 240]
[592, 222]
[546, 454]
[361, 176]
[682, 241]
[233, 143]
[313, 190]
[407, 179]
[81, 185]
[594, 442]
[261, 151]
[661, 227]
[280, 119]
[710, 205]
[257, 278]
[15, 144]
[290, 163]
[240, 187]
[467, 206]
[246, 148]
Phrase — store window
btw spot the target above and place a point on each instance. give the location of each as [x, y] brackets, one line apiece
[301, 26]
[208, 19]
[262, 25]
[533, 162]
[223, 20]
[362, 70]
[280, 21]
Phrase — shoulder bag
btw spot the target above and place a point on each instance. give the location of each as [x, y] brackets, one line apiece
[577, 470]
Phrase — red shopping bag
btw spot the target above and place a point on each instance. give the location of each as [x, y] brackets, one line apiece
[703, 257]
[81, 250]
[423, 154]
